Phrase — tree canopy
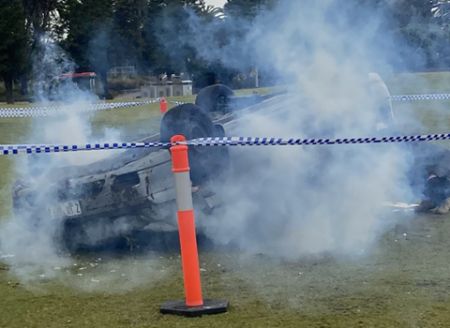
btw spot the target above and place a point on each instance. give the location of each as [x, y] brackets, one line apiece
[13, 43]
[157, 36]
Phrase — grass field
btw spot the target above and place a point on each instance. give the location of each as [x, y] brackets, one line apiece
[434, 114]
[405, 282]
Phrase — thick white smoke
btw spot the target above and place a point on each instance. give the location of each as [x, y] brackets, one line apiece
[29, 239]
[285, 202]
[298, 201]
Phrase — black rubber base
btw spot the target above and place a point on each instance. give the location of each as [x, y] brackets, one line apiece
[208, 307]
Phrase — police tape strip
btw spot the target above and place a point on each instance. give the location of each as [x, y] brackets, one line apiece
[421, 97]
[52, 110]
[217, 141]
[55, 110]
[36, 149]
[251, 141]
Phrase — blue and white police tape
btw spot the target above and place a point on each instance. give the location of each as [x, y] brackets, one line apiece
[263, 141]
[421, 97]
[55, 110]
[218, 141]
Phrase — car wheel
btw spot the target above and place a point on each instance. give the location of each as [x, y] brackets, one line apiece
[214, 98]
[190, 121]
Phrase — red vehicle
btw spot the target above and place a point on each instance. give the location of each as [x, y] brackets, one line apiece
[84, 80]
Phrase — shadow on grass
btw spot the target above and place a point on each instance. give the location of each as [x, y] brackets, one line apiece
[136, 243]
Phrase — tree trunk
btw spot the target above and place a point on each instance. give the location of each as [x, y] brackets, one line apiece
[24, 85]
[9, 89]
[104, 79]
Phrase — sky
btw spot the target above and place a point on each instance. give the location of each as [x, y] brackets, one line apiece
[217, 3]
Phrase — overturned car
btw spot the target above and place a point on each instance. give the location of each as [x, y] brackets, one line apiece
[130, 195]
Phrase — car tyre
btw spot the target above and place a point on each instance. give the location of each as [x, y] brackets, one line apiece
[214, 98]
[189, 120]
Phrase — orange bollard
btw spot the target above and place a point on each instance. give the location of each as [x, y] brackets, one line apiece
[163, 105]
[186, 224]
[193, 305]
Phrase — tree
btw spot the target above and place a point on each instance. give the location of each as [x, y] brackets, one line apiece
[40, 14]
[128, 32]
[441, 13]
[166, 25]
[247, 9]
[85, 33]
[413, 23]
[212, 12]
[13, 44]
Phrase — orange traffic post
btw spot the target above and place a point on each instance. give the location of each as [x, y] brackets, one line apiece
[163, 105]
[194, 304]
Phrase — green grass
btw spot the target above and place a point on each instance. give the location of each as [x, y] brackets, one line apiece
[433, 115]
[419, 82]
[405, 283]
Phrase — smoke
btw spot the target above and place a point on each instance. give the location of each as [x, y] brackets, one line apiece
[28, 237]
[48, 63]
[286, 202]
[298, 201]
[31, 240]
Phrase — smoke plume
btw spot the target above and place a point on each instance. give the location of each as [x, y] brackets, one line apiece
[297, 201]
[286, 202]
[30, 240]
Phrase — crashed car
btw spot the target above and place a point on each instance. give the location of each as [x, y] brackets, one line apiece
[131, 195]
[133, 192]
